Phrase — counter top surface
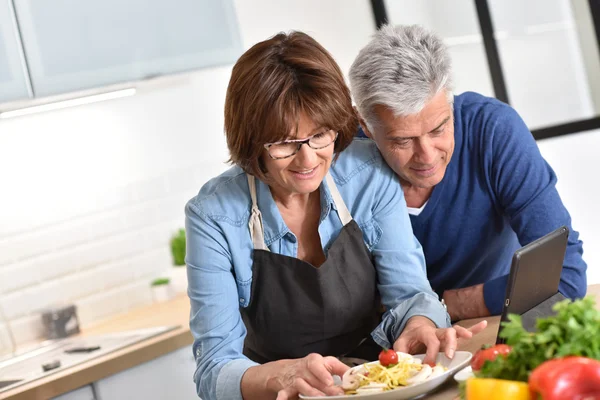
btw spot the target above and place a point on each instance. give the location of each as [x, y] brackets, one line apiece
[173, 312]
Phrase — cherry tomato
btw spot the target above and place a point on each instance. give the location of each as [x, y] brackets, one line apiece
[388, 357]
[490, 353]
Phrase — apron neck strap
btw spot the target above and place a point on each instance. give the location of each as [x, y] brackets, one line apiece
[255, 224]
[343, 212]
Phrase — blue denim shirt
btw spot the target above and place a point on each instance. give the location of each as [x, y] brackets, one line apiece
[219, 259]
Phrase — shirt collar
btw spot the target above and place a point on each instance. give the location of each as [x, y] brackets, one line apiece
[273, 225]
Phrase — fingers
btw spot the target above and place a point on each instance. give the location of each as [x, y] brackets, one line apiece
[433, 347]
[306, 389]
[286, 394]
[450, 342]
[316, 368]
[401, 344]
[335, 366]
[475, 329]
[467, 333]
[318, 375]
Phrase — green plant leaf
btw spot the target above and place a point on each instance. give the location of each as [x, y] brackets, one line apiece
[178, 247]
[160, 281]
[574, 330]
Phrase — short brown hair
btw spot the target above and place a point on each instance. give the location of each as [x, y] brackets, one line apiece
[271, 85]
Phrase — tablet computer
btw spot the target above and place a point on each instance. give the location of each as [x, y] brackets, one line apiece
[534, 277]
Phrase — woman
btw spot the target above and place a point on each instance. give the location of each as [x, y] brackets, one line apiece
[291, 251]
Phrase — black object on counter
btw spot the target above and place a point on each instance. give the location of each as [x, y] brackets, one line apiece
[60, 322]
[82, 349]
[51, 365]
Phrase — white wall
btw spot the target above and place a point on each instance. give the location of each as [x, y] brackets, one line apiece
[90, 195]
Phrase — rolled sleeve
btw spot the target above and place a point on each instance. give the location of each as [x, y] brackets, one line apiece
[494, 293]
[230, 378]
[394, 321]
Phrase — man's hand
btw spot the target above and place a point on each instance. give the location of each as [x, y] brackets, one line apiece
[421, 334]
[466, 303]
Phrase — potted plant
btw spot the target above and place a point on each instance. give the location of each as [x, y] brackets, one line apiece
[178, 272]
[161, 289]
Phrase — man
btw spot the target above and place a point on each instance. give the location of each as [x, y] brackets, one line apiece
[474, 180]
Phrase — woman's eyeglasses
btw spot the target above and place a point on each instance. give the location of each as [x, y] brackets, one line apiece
[287, 148]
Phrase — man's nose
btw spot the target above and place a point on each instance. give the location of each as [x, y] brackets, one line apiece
[426, 151]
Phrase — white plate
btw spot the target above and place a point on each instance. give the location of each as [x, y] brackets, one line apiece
[460, 360]
[464, 374]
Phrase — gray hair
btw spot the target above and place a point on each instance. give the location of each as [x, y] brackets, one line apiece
[401, 68]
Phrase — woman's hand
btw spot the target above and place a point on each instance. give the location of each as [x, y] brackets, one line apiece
[420, 333]
[309, 376]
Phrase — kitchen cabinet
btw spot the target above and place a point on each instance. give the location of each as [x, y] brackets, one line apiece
[167, 377]
[83, 393]
[13, 75]
[73, 45]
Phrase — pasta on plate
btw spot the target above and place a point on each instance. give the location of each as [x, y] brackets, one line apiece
[374, 377]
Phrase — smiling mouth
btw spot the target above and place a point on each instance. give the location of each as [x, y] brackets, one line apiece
[305, 171]
[425, 171]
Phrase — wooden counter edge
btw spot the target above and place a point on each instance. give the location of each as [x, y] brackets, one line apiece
[101, 367]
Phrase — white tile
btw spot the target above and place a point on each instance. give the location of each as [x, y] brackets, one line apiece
[138, 294]
[57, 264]
[152, 263]
[32, 300]
[27, 329]
[105, 224]
[19, 303]
[182, 180]
[150, 189]
[82, 284]
[109, 199]
[6, 346]
[141, 215]
[160, 234]
[117, 274]
[18, 276]
[173, 207]
[99, 306]
[43, 240]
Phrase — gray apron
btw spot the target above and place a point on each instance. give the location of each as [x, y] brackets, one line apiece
[296, 308]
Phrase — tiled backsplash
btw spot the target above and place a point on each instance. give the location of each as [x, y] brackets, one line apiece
[103, 262]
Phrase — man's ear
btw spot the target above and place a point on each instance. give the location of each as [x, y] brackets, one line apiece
[363, 124]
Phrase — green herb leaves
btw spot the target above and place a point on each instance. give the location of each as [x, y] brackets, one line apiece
[574, 330]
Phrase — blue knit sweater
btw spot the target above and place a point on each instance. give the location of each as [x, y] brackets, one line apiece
[497, 195]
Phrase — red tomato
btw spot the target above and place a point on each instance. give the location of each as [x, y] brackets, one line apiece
[490, 353]
[388, 357]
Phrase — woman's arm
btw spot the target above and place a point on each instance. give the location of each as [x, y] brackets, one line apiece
[215, 320]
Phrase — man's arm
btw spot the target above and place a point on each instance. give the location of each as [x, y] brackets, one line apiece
[524, 189]
[466, 303]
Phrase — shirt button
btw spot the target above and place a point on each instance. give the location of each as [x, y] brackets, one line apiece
[241, 300]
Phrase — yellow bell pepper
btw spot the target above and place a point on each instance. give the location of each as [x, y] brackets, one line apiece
[497, 389]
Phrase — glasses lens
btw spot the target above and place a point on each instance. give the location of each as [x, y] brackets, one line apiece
[282, 150]
[323, 139]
